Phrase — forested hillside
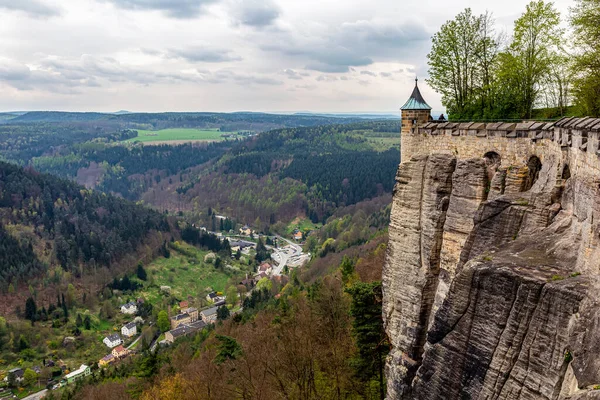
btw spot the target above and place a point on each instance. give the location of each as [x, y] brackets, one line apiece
[46, 221]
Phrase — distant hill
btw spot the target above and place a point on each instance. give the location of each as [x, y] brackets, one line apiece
[46, 222]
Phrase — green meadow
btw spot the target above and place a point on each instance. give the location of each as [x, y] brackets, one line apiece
[177, 134]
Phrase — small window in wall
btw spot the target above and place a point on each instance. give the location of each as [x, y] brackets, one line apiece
[566, 173]
[535, 166]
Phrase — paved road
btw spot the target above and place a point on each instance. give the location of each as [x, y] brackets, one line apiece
[36, 396]
[291, 255]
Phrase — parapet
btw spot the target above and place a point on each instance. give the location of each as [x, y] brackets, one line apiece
[579, 133]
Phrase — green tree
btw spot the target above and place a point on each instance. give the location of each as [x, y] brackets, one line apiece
[461, 63]
[141, 272]
[163, 322]
[264, 284]
[585, 20]
[527, 63]
[87, 323]
[347, 269]
[232, 295]
[78, 321]
[367, 327]
[222, 313]
[29, 377]
[30, 310]
[228, 349]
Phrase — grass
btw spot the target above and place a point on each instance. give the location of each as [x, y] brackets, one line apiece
[303, 225]
[187, 276]
[179, 134]
[384, 143]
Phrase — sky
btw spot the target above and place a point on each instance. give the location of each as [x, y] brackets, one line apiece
[224, 55]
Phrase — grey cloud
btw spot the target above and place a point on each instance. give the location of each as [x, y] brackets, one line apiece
[386, 74]
[306, 87]
[256, 13]
[183, 9]
[34, 8]
[204, 54]
[226, 75]
[349, 45]
[326, 78]
[291, 74]
[370, 73]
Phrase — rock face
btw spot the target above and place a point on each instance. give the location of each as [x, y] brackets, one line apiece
[492, 277]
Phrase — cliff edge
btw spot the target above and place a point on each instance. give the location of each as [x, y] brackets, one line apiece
[492, 276]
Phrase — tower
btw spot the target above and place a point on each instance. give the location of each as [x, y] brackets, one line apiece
[414, 112]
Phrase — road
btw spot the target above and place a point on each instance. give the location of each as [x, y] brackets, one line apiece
[291, 255]
[36, 396]
[134, 342]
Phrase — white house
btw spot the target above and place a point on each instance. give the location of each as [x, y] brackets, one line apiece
[129, 308]
[112, 340]
[129, 330]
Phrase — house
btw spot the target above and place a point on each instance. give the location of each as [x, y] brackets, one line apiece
[209, 316]
[120, 352]
[106, 360]
[183, 304]
[180, 319]
[214, 298]
[245, 230]
[112, 340]
[298, 235]
[16, 374]
[249, 283]
[129, 308]
[183, 330]
[80, 373]
[265, 268]
[129, 330]
[192, 312]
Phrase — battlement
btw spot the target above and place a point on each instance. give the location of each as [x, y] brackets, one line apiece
[579, 133]
[513, 141]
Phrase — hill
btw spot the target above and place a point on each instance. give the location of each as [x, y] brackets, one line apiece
[47, 222]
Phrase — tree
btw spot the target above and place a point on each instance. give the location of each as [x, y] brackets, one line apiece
[222, 313]
[87, 323]
[29, 377]
[527, 63]
[585, 20]
[78, 321]
[461, 62]
[232, 295]
[370, 336]
[141, 272]
[163, 322]
[264, 284]
[228, 349]
[30, 310]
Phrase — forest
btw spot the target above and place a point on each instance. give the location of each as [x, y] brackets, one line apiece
[64, 224]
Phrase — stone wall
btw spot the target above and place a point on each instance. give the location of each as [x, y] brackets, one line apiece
[492, 276]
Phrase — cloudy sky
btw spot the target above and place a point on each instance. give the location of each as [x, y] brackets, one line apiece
[222, 55]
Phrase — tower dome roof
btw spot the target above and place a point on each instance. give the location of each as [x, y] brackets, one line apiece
[416, 101]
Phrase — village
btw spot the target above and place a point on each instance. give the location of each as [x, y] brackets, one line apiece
[188, 316]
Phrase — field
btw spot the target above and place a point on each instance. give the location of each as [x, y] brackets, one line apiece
[186, 273]
[178, 135]
[303, 225]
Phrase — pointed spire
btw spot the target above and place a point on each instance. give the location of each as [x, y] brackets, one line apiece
[416, 101]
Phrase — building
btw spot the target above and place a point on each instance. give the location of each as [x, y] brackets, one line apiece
[209, 315]
[183, 304]
[214, 298]
[16, 374]
[265, 268]
[180, 319]
[112, 340]
[415, 111]
[129, 308]
[298, 236]
[80, 373]
[129, 330]
[120, 352]
[183, 330]
[192, 312]
[245, 230]
[106, 360]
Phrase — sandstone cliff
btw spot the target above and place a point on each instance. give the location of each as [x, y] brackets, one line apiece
[492, 278]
